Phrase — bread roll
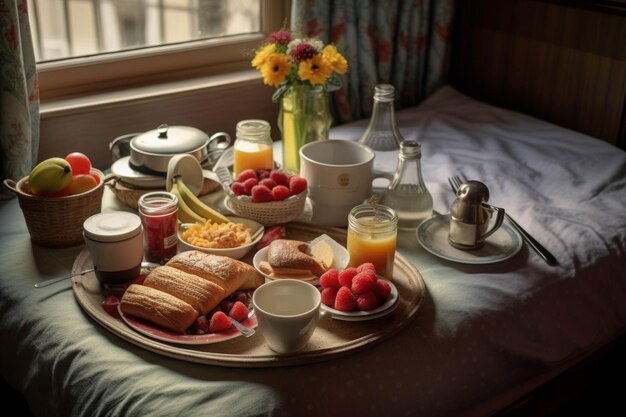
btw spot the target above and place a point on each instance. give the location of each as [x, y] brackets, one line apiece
[158, 307]
[226, 272]
[292, 257]
[201, 294]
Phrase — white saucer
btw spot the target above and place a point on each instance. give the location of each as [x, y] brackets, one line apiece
[122, 169]
[502, 244]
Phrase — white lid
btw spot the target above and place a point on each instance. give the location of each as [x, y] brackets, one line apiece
[113, 226]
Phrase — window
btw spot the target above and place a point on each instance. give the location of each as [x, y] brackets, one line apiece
[90, 46]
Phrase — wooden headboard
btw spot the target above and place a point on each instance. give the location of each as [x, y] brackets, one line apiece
[561, 61]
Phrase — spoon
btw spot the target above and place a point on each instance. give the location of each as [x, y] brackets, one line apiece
[86, 271]
[246, 331]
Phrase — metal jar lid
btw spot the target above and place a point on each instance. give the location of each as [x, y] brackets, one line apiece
[170, 140]
[113, 226]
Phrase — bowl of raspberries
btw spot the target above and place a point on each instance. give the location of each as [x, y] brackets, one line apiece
[267, 196]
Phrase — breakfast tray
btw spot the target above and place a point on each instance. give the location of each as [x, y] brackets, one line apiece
[331, 339]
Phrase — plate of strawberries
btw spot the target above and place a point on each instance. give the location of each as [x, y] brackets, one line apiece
[357, 293]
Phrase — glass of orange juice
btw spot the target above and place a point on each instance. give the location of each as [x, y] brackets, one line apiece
[253, 147]
[372, 234]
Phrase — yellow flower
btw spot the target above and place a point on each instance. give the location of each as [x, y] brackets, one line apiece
[316, 70]
[275, 69]
[263, 55]
[337, 62]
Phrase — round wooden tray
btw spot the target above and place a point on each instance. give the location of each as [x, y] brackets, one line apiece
[331, 339]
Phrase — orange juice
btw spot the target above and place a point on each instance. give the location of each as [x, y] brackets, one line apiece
[252, 155]
[372, 235]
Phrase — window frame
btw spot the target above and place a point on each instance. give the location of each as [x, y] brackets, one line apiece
[105, 73]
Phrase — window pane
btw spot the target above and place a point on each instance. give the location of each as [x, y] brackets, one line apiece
[71, 28]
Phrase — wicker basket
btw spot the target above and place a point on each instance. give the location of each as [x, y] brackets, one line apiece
[272, 212]
[57, 221]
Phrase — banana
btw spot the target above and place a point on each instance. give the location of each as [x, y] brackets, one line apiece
[185, 213]
[50, 176]
[197, 205]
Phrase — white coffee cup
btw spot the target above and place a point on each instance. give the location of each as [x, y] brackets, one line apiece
[340, 175]
[287, 311]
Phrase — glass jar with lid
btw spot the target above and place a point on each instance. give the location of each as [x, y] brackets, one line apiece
[253, 148]
[158, 212]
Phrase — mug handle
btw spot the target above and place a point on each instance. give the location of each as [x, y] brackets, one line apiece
[376, 175]
[220, 144]
[497, 223]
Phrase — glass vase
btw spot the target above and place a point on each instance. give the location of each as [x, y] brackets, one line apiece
[304, 117]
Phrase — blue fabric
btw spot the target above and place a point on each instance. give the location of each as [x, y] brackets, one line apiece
[400, 42]
[19, 102]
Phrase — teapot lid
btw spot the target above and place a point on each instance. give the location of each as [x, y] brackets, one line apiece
[170, 140]
[473, 192]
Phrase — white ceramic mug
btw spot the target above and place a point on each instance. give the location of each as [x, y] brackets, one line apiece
[287, 311]
[340, 175]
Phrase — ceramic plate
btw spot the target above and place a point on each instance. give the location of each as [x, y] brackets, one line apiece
[122, 169]
[341, 255]
[502, 244]
[382, 310]
[154, 332]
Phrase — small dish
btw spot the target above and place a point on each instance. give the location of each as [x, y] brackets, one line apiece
[154, 332]
[239, 252]
[189, 169]
[122, 169]
[387, 307]
[340, 254]
[501, 245]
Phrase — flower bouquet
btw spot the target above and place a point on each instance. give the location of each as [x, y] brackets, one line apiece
[303, 70]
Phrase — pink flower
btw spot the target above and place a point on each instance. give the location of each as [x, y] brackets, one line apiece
[303, 51]
[281, 37]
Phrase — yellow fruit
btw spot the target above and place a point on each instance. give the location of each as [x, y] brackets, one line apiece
[185, 214]
[50, 176]
[197, 205]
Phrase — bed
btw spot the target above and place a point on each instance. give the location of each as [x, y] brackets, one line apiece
[483, 337]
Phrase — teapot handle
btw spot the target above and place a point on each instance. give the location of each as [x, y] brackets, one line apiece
[497, 223]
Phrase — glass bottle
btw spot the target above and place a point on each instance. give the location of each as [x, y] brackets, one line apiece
[407, 194]
[253, 147]
[158, 216]
[382, 134]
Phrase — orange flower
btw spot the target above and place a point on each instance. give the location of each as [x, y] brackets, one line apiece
[316, 70]
[275, 69]
[337, 62]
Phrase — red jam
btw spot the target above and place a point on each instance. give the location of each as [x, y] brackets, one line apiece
[158, 217]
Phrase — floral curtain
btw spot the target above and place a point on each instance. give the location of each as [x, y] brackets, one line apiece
[19, 100]
[400, 42]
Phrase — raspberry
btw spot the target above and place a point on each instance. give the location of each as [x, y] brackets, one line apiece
[368, 301]
[363, 282]
[280, 193]
[239, 311]
[367, 266]
[345, 277]
[261, 194]
[238, 188]
[200, 326]
[246, 174]
[328, 296]
[262, 174]
[297, 184]
[268, 182]
[330, 279]
[280, 177]
[219, 322]
[249, 184]
[382, 289]
[345, 300]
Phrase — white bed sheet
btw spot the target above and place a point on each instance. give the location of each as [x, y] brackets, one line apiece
[483, 330]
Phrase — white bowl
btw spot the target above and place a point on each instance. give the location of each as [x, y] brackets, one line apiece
[235, 253]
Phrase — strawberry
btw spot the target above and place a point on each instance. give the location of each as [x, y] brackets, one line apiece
[200, 326]
[262, 174]
[367, 266]
[271, 233]
[345, 277]
[345, 300]
[280, 193]
[239, 311]
[368, 301]
[297, 184]
[246, 174]
[328, 296]
[280, 177]
[249, 184]
[219, 322]
[330, 279]
[238, 188]
[226, 305]
[261, 194]
[382, 289]
[363, 282]
[268, 182]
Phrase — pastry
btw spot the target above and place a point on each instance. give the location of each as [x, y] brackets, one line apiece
[158, 307]
[292, 258]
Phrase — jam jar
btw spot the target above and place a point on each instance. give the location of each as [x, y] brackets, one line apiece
[158, 212]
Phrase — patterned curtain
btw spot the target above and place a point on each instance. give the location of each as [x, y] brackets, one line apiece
[19, 101]
[399, 42]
